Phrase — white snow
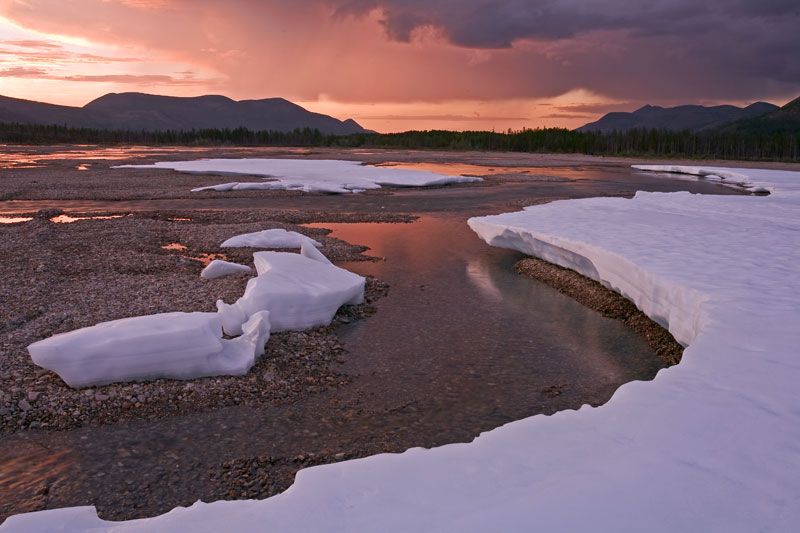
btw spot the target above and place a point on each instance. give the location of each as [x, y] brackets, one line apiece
[300, 291]
[269, 238]
[219, 268]
[755, 180]
[712, 444]
[166, 345]
[309, 175]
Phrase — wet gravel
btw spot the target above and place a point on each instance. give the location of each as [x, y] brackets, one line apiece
[606, 302]
[61, 277]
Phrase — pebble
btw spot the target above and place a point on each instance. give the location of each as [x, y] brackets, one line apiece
[33, 395]
[24, 405]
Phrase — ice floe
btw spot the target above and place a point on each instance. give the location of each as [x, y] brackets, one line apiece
[309, 175]
[219, 268]
[301, 291]
[166, 345]
[710, 445]
[269, 238]
[755, 180]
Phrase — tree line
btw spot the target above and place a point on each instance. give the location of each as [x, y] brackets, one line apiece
[777, 146]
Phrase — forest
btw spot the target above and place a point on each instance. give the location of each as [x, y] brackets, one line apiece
[756, 146]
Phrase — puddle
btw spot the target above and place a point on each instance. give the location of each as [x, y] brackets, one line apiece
[179, 219]
[67, 219]
[203, 258]
[207, 258]
[14, 220]
[83, 166]
[467, 169]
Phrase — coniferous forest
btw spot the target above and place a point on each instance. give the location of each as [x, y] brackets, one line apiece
[759, 146]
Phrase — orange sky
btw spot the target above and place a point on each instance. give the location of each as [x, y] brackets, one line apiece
[340, 58]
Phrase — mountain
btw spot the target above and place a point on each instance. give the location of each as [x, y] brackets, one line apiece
[782, 120]
[685, 117]
[139, 111]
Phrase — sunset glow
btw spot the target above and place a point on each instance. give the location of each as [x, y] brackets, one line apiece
[391, 71]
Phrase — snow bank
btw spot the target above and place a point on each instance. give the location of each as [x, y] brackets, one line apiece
[300, 291]
[219, 268]
[269, 238]
[309, 175]
[753, 179]
[166, 345]
[711, 445]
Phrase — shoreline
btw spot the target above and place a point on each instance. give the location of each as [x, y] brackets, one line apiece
[608, 303]
[82, 273]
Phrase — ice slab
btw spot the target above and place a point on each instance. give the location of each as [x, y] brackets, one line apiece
[269, 238]
[710, 445]
[309, 175]
[165, 345]
[756, 180]
[219, 268]
[299, 291]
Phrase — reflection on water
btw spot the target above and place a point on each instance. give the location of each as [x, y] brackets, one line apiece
[60, 219]
[16, 156]
[203, 258]
[466, 169]
[67, 219]
[14, 220]
[461, 345]
[462, 329]
[38, 156]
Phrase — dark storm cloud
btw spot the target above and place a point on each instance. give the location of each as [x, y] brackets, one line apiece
[724, 48]
[497, 24]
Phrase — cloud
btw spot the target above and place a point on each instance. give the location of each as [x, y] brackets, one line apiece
[443, 118]
[354, 51]
[567, 116]
[31, 43]
[23, 72]
[142, 79]
[598, 108]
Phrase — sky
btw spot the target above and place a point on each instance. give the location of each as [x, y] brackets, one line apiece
[395, 65]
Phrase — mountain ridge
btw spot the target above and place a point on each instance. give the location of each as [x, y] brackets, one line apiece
[685, 117]
[150, 112]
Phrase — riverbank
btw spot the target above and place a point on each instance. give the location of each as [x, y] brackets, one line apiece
[608, 303]
[425, 370]
[64, 276]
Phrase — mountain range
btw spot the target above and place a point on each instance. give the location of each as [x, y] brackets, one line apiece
[783, 120]
[140, 111]
[685, 117]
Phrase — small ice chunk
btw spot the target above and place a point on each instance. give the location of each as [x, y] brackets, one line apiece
[308, 175]
[221, 187]
[298, 291]
[165, 345]
[310, 251]
[269, 238]
[219, 268]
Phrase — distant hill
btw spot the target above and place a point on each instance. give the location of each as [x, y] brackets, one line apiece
[139, 111]
[685, 117]
[782, 120]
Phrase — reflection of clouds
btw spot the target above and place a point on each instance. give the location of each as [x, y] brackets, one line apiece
[479, 274]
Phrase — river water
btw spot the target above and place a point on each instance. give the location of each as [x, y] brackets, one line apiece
[461, 345]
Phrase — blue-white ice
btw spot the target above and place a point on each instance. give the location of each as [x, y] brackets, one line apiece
[269, 238]
[301, 291]
[291, 292]
[712, 444]
[166, 345]
[309, 175]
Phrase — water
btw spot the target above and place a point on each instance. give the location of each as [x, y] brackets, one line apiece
[464, 336]
[460, 345]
